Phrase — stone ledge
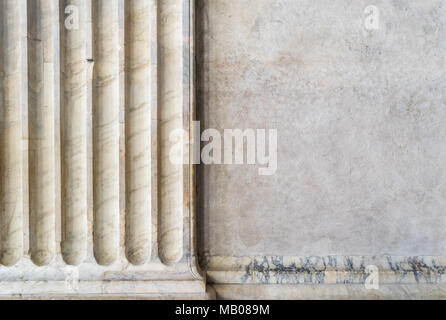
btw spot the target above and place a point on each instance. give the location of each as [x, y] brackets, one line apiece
[327, 292]
[288, 270]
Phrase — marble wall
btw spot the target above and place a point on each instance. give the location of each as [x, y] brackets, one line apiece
[360, 119]
[360, 108]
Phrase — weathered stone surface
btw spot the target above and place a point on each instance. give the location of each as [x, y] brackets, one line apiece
[73, 111]
[42, 51]
[85, 231]
[360, 119]
[138, 147]
[170, 91]
[12, 96]
[105, 18]
[92, 205]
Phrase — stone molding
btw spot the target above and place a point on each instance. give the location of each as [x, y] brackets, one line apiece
[324, 270]
[331, 277]
[108, 215]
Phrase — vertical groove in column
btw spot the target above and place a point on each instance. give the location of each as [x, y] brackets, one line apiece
[170, 99]
[11, 156]
[137, 126]
[41, 21]
[106, 130]
[73, 130]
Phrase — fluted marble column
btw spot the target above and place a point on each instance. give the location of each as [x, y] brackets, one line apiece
[170, 91]
[73, 130]
[41, 95]
[138, 149]
[105, 130]
[40, 18]
[11, 147]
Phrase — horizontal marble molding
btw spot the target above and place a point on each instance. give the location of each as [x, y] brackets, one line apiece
[327, 292]
[324, 270]
[172, 288]
[87, 137]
